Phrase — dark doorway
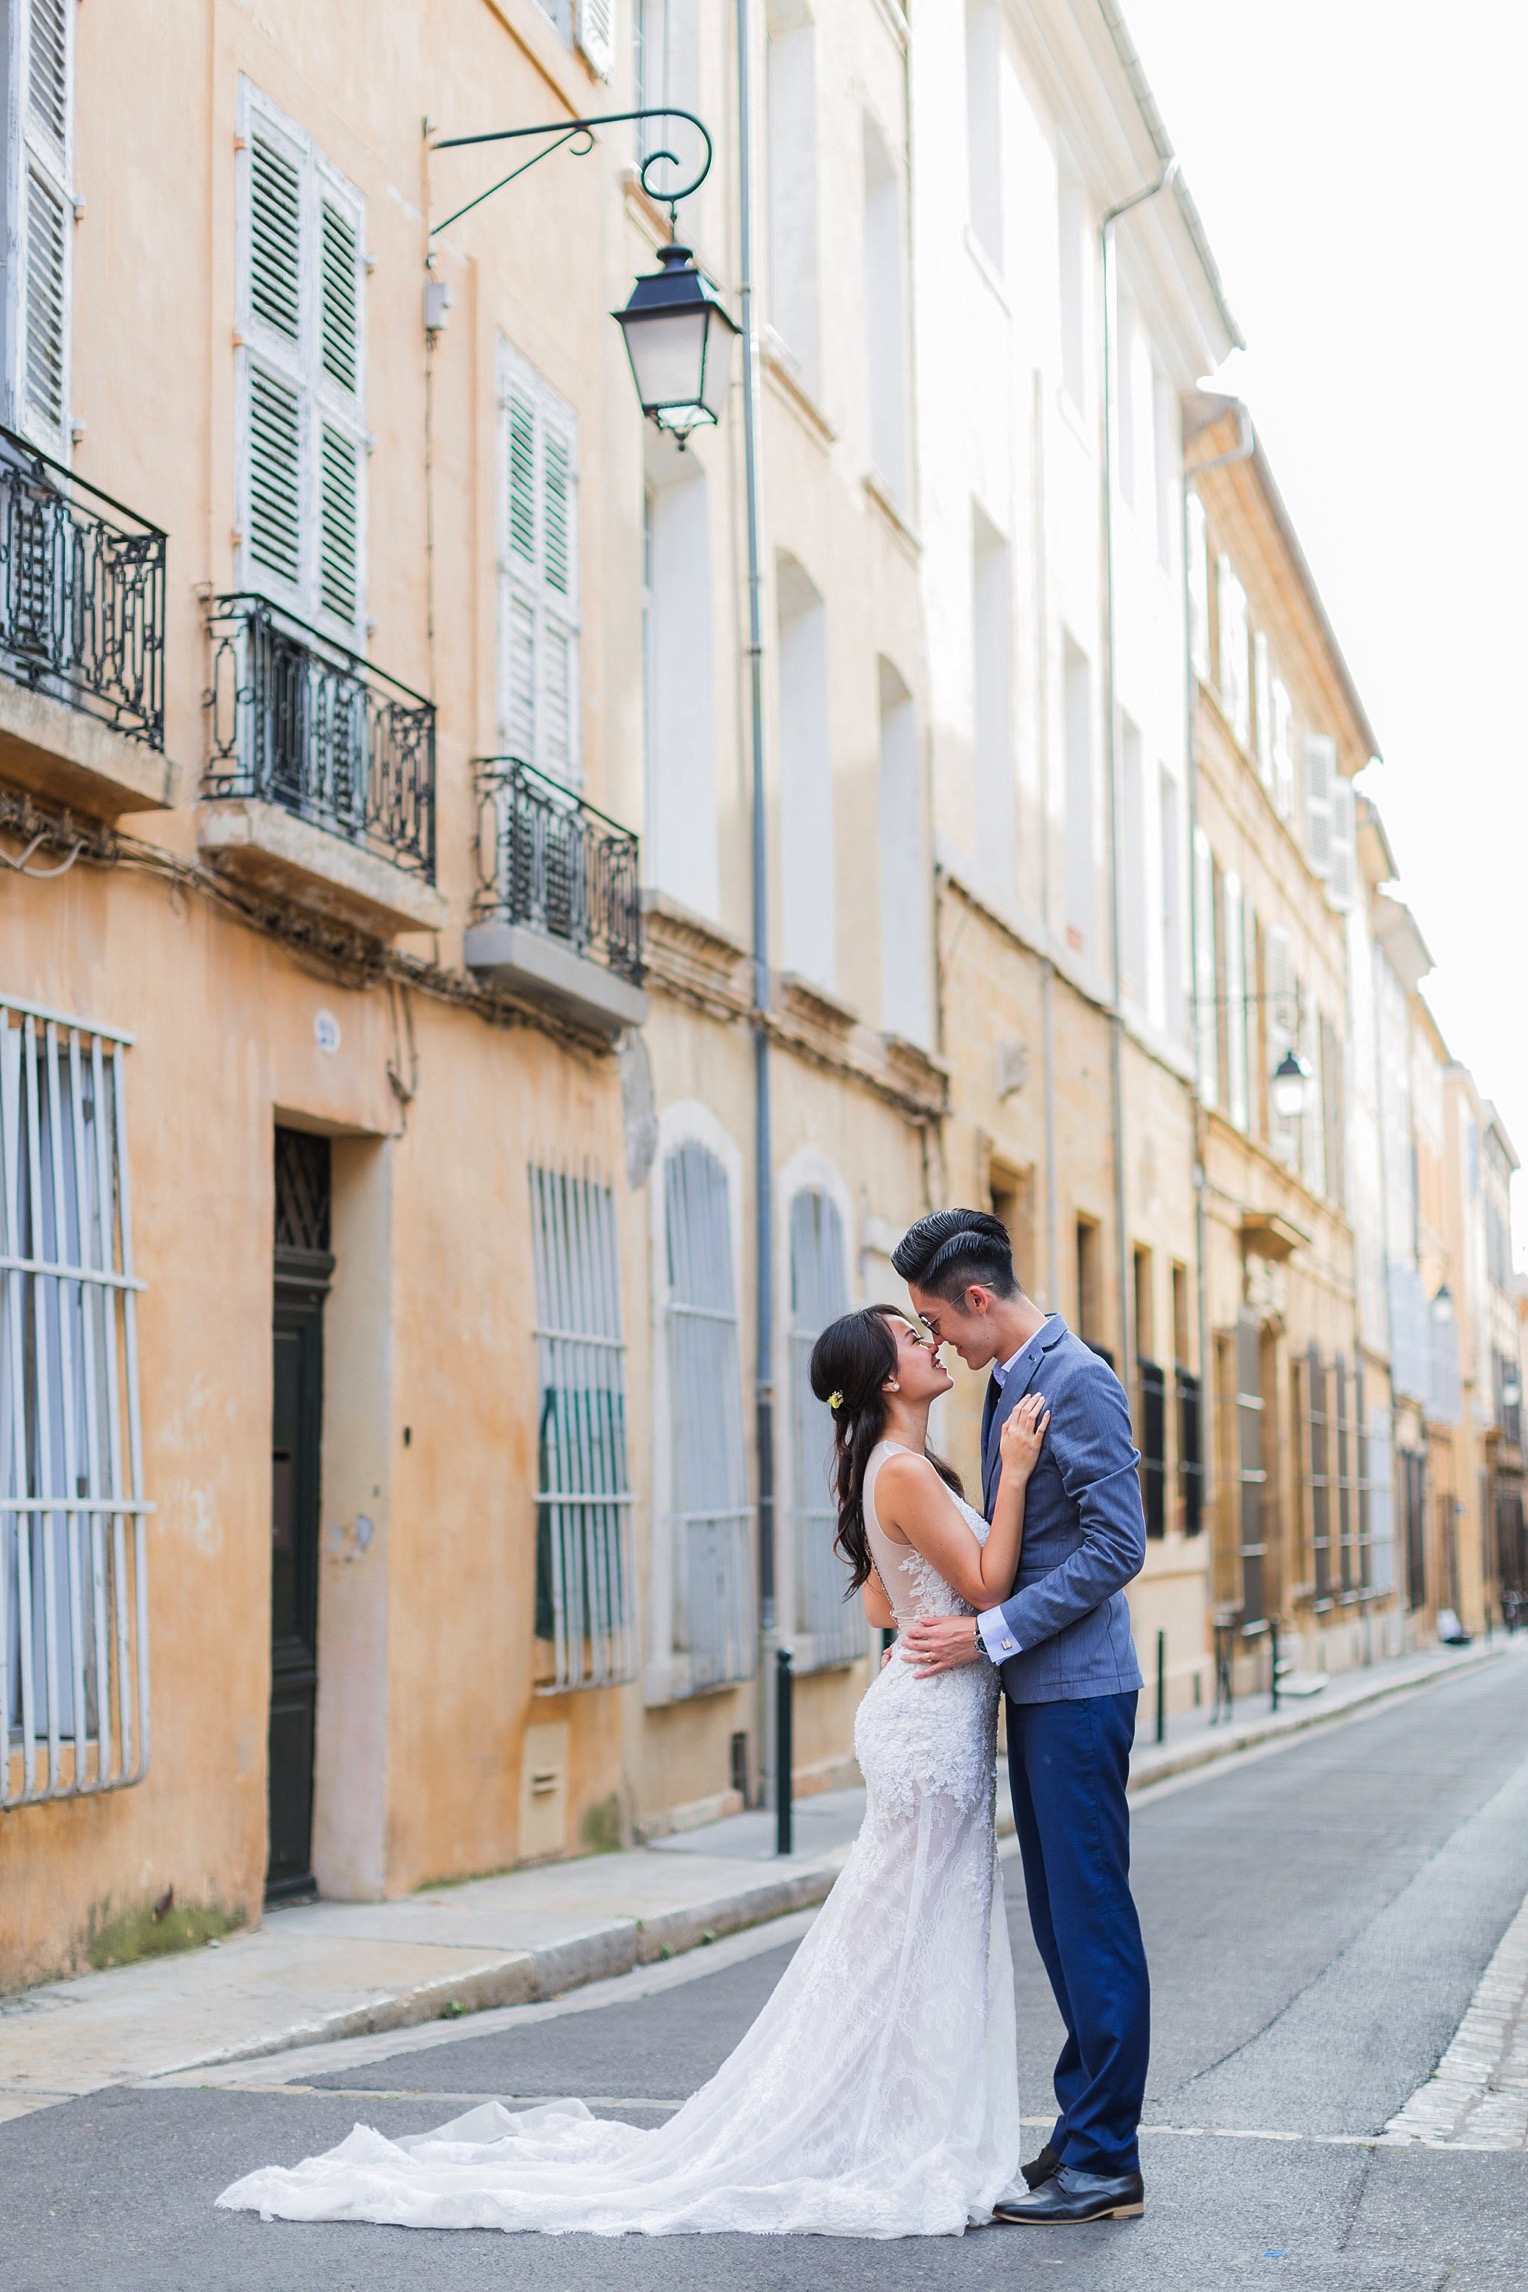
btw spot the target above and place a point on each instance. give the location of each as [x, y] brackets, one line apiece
[302, 1270]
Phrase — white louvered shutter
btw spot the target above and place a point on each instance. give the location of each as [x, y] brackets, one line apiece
[1320, 779]
[538, 669]
[1283, 749]
[1342, 883]
[338, 392]
[596, 35]
[1236, 998]
[303, 377]
[1262, 706]
[1198, 589]
[1235, 672]
[46, 209]
[1205, 1012]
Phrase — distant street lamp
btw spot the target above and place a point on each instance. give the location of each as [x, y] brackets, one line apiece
[1290, 1086]
[1443, 1305]
[679, 340]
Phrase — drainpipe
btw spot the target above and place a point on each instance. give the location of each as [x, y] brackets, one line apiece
[1242, 451]
[1111, 752]
[764, 1209]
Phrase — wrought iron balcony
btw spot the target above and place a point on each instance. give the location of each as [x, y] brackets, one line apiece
[558, 913]
[303, 724]
[81, 594]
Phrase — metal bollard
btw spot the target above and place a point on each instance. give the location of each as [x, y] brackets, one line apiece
[1273, 1665]
[784, 1688]
[1161, 1687]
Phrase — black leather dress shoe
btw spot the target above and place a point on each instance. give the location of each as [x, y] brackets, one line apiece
[1040, 2169]
[1070, 2196]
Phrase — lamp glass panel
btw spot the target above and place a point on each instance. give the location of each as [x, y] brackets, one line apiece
[718, 376]
[667, 350]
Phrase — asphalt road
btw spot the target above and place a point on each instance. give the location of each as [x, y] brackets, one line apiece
[1317, 1921]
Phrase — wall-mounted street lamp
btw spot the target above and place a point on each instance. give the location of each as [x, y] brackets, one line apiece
[1443, 1305]
[1290, 1086]
[678, 336]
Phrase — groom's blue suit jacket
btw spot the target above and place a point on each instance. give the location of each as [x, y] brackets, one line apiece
[1084, 1532]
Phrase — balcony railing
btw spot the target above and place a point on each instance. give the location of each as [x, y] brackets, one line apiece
[552, 862]
[81, 594]
[299, 721]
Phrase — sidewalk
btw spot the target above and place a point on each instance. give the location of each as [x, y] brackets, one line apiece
[332, 1970]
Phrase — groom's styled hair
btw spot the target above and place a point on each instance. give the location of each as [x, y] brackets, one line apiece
[949, 1249]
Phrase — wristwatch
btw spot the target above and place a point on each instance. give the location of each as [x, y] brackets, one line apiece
[976, 1634]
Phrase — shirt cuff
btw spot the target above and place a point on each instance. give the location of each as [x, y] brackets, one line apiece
[997, 1639]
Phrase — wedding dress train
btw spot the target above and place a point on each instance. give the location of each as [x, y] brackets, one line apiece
[876, 2094]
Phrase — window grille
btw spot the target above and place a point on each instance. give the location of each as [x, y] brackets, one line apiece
[1251, 1475]
[1153, 1437]
[1378, 1514]
[1190, 1449]
[1318, 1473]
[834, 1627]
[1414, 1482]
[74, 1680]
[585, 1574]
[708, 1520]
[1346, 1411]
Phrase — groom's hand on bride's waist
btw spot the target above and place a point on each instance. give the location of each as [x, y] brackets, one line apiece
[941, 1643]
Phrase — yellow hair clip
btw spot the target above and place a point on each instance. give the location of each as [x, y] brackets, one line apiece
[835, 1402]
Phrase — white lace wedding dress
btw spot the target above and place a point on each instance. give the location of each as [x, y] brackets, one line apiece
[877, 2093]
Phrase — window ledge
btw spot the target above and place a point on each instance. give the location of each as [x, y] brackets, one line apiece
[877, 491]
[553, 975]
[275, 850]
[61, 752]
[784, 372]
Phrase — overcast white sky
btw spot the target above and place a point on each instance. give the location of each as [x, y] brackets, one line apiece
[1360, 169]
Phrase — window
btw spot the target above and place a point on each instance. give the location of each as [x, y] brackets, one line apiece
[302, 375]
[1262, 708]
[905, 980]
[1164, 444]
[1198, 589]
[1235, 658]
[1133, 862]
[1281, 1027]
[680, 848]
[834, 1626]
[995, 830]
[885, 320]
[1127, 413]
[1318, 1471]
[1190, 1448]
[1077, 733]
[40, 220]
[1346, 1404]
[984, 125]
[1072, 220]
[74, 1688]
[1378, 1505]
[1089, 1282]
[1283, 748]
[1320, 778]
[1414, 1487]
[1334, 1113]
[591, 23]
[807, 874]
[1172, 906]
[539, 702]
[1251, 1474]
[713, 1629]
[1233, 933]
[665, 58]
[585, 1574]
[1342, 881]
[1206, 1013]
[1151, 1381]
[790, 94]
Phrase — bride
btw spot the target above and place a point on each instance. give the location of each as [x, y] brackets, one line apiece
[877, 2093]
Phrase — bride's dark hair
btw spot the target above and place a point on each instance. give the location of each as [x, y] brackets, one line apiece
[851, 1361]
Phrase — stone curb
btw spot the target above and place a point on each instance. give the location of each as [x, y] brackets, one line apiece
[1273, 1727]
[525, 1977]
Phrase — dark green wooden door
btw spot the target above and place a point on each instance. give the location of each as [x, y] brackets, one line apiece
[302, 1270]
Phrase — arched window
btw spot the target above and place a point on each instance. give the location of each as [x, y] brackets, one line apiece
[708, 1482]
[831, 1629]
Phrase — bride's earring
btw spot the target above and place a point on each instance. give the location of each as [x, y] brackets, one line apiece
[891, 1386]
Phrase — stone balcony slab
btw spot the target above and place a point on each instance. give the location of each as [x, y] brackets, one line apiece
[276, 851]
[60, 752]
[553, 975]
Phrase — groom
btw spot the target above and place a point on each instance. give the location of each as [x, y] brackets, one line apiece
[1062, 1644]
